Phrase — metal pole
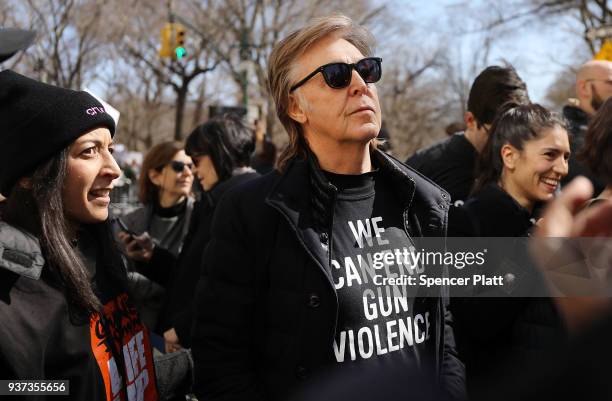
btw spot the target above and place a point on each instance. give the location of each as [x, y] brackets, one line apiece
[244, 74]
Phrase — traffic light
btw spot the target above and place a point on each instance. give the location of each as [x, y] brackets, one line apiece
[179, 44]
[166, 36]
[172, 41]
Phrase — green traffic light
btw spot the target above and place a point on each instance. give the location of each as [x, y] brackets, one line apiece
[180, 52]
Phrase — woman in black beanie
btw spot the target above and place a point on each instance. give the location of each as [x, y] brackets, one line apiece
[64, 312]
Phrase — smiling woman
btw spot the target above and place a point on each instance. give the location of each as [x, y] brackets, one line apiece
[521, 165]
[526, 154]
[62, 281]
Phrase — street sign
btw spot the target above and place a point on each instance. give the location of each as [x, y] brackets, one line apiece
[605, 53]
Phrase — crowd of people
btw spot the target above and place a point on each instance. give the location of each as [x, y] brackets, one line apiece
[235, 284]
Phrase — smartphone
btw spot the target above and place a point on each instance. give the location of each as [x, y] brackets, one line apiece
[124, 227]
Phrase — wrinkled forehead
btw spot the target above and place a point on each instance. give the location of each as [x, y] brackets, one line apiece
[330, 49]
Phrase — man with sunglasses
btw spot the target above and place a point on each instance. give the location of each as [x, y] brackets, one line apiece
[593, 88]
[293, 278]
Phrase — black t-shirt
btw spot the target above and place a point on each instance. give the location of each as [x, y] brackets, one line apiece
[450, 164]
[379, 323]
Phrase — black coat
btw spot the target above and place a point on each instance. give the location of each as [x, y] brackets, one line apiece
[177, 311]
[579, 371]
[578, 123]
[517, 331]
[450, 164]
[266, 304]
[44, 338]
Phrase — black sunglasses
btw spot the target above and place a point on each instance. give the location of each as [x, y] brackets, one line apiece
[178, 166]
[338, 75]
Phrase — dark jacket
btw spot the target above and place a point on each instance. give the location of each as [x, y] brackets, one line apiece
[266, 304]
[177, 312]
[149, 281]
[102, 355]
[450, 164]
[518, 330]
[578, 123]
[578, 371]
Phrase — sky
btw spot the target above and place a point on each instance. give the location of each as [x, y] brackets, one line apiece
[538, 51]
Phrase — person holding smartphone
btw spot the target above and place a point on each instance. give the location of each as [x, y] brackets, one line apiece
[153, 234]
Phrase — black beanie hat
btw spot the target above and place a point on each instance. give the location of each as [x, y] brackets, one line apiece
[39, 120]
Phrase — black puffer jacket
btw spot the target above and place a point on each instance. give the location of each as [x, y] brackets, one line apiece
[266, 304]
[517, 331]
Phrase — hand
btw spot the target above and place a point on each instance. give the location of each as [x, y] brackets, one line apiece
[564, 216]
[569, 264]
[172, 341]
[137, 247]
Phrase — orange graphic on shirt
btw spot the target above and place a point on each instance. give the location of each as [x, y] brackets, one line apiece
[127, 369]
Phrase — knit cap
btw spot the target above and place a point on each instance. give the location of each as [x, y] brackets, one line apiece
[38, 121]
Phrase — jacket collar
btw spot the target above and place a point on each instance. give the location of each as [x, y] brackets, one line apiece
[578, 121]
[306, 198]
[20, 252]
[304, 180]
[238, 175]
[291, 197]
[576, 115]
[503, 210]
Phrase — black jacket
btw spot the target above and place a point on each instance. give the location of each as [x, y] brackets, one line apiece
[517, 330]
[579, 371]
[266, 304]
[177, 312]
[450, 164]
[42, 338]
[578, 123]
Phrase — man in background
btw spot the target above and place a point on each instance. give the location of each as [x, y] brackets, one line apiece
[451, 162]
[593, 87]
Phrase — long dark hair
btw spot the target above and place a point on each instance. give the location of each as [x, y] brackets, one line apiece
[514, 125]
[39, 210]
[228, 141]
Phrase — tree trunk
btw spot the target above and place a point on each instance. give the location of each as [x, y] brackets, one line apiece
[270, 117]
[199, 106]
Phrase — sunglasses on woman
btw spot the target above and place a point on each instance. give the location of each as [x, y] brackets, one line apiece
[177, 166]
[338, 75]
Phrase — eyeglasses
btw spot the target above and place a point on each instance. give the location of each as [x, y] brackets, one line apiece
[178, 166]
[339, 75]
